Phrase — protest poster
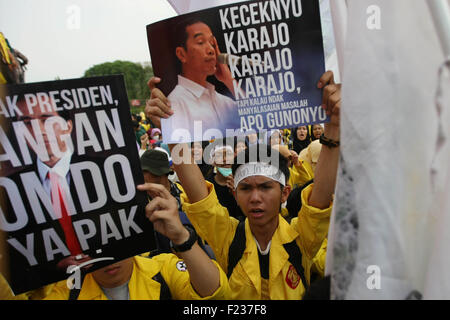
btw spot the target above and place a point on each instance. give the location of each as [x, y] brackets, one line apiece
[69, 170]
[252, 65]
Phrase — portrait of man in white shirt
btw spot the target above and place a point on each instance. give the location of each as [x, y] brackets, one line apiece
[194, 100]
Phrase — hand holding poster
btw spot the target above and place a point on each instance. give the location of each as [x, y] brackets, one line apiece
[69, 170]
[251, 65]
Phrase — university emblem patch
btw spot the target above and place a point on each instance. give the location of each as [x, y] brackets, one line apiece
[181, 266]
[292, 277]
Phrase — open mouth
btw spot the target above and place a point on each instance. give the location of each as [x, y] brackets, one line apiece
[256, 213]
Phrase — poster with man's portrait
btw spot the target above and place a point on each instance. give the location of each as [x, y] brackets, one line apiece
[69, 168]
[253, 65]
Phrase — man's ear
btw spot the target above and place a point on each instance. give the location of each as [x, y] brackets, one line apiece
[285, 193]
[181, 54]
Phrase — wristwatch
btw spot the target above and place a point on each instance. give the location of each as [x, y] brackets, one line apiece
[187, 245]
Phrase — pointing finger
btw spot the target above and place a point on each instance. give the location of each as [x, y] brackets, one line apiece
[155, 189]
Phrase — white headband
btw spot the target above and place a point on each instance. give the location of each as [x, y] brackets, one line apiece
[219, 148]
[259, 169]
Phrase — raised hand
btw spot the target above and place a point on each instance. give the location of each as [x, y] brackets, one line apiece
[331, 102]
[162, 211]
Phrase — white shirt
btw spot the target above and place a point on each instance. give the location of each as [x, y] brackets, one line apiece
[118, 293]
[192, 102]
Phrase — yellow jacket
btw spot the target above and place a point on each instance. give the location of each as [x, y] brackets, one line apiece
[299, 175]
[141, 285]
[319, 260]
[214, 224]
[4, 55]
[4, 49]
[310, 155]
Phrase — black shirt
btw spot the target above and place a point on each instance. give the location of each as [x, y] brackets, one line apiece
[226, 199]
[264, 265]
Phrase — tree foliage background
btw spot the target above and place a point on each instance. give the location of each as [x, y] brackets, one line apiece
[136, 76]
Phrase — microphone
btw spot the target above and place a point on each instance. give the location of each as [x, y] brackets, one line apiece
[229, 59]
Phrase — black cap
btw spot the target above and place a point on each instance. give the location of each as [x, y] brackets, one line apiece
[156, 162]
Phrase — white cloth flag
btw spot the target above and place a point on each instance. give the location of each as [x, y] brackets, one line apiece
[437, 285]
[389, 238]
[331, 63]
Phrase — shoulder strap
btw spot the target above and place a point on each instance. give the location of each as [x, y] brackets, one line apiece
[295, 258]
[164, 292]
[237, 248]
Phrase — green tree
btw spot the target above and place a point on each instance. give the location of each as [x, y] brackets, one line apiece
[136, 76]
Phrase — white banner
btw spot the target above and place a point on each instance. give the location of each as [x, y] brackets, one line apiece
[389, 237]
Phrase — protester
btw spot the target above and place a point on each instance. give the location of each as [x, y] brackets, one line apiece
[278, 256]
[145, 144]
[274, 137]
[310, 155]
[138, 129]
[300, 172]
[287, 137]
[154, 134]
[300, 138]
[252, 136]
[222, 156]
[197, 149]
[144, 122]
[22, 61]
[155, 137]
[240, 144]
[8, 63]
[316, 131]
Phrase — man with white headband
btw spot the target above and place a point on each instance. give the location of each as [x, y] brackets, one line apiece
[266, 257]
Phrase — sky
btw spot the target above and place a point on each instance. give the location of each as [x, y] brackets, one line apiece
[64, 38]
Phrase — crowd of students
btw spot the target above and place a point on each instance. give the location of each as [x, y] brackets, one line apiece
[270, 253]
[253, 229]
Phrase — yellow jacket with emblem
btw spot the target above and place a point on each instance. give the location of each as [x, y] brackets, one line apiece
[214, 224]
[141, 285]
